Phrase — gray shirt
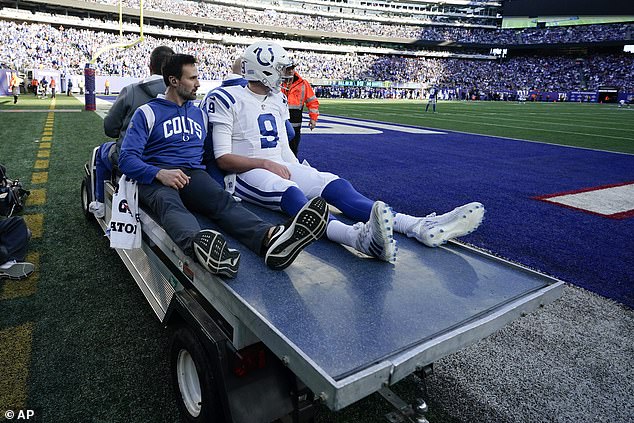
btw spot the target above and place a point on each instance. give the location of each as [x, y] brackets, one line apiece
[130, 98]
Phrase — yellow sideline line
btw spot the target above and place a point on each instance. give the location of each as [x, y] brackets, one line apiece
[15, 356]
[18, 289]
[39, 178]
[37, 197]
[16, 343]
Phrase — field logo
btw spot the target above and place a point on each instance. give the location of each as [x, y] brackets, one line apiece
[612, 201]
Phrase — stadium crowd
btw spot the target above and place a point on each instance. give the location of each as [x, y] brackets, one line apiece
[549, 35]
[36, 46]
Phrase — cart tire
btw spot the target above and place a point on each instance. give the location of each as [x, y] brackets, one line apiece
[86, 195]
[193, 379]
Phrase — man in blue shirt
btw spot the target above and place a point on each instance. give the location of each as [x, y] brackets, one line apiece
[118, 118]
[163, 149]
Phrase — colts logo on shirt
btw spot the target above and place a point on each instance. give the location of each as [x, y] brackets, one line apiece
[179, 125]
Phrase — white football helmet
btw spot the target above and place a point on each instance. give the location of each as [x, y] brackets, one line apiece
[268, 63]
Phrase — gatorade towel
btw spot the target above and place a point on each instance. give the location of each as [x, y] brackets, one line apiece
[89, 76]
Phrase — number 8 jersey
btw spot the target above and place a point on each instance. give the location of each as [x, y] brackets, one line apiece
[248, 124]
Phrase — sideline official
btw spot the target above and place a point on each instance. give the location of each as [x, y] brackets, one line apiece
[300, 93]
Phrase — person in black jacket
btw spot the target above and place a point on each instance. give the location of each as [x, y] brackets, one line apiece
[14, 238]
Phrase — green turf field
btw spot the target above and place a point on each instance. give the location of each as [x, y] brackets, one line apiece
[79, 343]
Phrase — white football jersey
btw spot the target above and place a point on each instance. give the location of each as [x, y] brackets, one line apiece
[257, 122]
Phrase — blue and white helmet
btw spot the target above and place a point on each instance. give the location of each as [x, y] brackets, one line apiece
[268, 63]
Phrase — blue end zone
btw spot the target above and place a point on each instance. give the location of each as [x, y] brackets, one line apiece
[421, 173]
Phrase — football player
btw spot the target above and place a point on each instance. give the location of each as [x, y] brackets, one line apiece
[250, 140]
[433, 93]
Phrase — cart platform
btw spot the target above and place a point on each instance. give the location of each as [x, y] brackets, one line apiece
[346, 324]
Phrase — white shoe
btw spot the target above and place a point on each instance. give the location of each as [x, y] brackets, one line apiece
[16, 269]
[375, 238]
[97, 208]
[436, 230]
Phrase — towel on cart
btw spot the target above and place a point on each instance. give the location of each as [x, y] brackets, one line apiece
[124, 228]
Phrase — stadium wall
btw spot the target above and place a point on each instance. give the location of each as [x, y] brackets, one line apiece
[118, 82]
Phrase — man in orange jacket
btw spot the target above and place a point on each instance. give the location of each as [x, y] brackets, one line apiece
[53, 85]
[300, 93]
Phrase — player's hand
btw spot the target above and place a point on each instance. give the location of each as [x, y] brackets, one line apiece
[312, 124]
[173, 178]
[279, 169]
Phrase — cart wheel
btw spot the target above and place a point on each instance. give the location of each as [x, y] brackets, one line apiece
[192, 378]
[86, 195]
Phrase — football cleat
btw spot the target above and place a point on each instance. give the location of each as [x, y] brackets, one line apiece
[213, 253]
[375, 237]
[290, 239]
[434, 230]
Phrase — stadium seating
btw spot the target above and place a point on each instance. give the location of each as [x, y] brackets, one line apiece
[67, 43]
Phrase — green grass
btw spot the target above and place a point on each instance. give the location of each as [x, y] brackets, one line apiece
[554, 21]
[98, 353]
[596, 126]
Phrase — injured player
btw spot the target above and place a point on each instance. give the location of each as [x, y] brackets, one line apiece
[249, 139]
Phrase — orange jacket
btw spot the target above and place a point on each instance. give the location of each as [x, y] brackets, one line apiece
[299, 93]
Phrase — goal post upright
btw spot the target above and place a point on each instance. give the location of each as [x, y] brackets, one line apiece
[89, 70]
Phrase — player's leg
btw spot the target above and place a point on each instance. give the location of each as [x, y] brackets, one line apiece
[103, 171]
[266, 189]
[434, 230]
[280, 244]
[431, 230]
[374, 237]
[341, 194]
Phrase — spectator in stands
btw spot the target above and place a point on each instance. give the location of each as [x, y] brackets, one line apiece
[300, 93]
[163, 149]
[44, 46]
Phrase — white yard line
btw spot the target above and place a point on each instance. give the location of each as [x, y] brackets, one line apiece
[512, 126]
